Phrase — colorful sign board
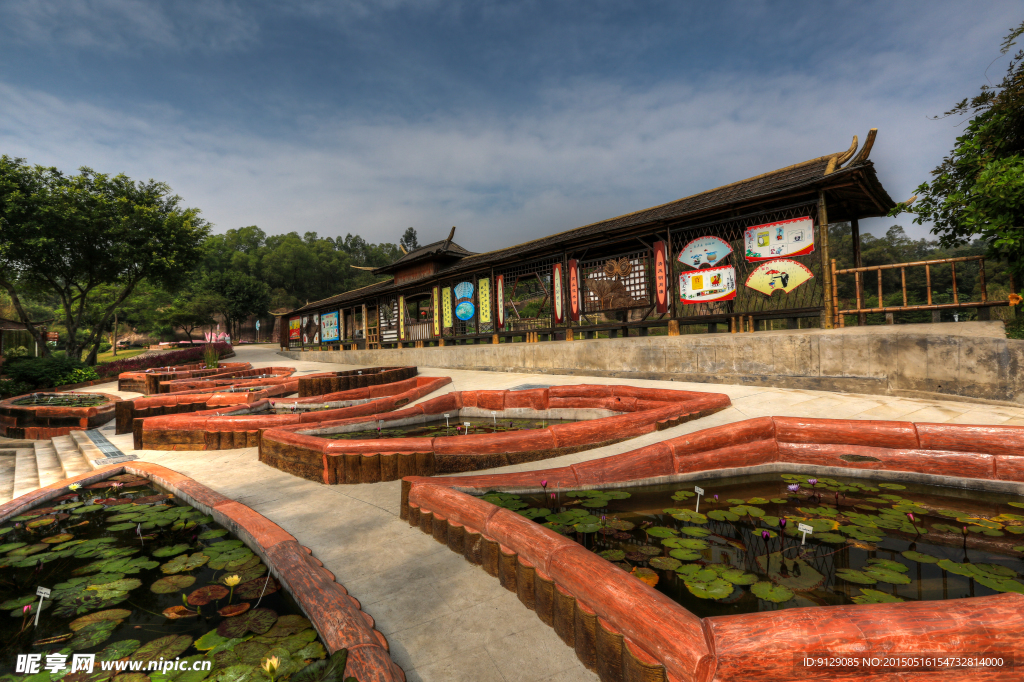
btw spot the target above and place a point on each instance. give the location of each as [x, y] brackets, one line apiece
[446, 307]
[483, 294]
[710, 284]
[704, 251]
[329, 326]
[499, 299]
[435, 300]
[311, 330]
[294, 328]
[556, 292]
[574, 291]
[778, 275]
[401, 318]
[661, 284]
[464, 308]
[780, 240]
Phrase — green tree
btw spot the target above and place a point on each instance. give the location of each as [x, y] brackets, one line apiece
[978, 190]
[239, 295]
[70, 235]
[409, 239]
[191, 310]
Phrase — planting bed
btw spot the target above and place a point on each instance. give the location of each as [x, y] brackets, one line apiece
[38, 416]
[237, 423]
[333, 382]
[223, 379]
[600, 415]
[626, 629]
[166, 594]
[147, 381]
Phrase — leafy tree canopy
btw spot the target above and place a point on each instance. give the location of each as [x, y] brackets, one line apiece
[978, 190]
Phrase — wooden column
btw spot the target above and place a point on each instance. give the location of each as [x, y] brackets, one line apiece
[829, 321]
[862, 318]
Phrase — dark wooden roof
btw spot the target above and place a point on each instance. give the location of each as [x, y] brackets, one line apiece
[853, 190]
[444, 250]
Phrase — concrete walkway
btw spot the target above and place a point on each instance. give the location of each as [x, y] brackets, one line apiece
[445, 619]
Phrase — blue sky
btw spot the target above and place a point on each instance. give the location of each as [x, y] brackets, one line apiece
[510, 120]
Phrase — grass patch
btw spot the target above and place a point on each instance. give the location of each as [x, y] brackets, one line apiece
[109, 356]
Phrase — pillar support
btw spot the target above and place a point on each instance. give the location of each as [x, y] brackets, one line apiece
[829, 321]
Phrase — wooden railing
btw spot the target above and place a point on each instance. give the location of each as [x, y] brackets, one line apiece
[902, 267]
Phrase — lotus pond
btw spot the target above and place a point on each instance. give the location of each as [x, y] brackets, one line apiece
[743, 551]
[135, 573]
[456, 426]
[61, 400]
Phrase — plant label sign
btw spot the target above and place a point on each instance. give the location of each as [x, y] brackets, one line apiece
[699, 491]
[43, 593]
[805, 529]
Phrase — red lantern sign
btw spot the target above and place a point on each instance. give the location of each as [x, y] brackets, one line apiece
[556, 292]
[661, 277]
[574, 292]
[499, 299]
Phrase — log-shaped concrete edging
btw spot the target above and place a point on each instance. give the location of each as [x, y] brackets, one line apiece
[239, 426]
[39, 422]
[146, 381]
[543, 567]
[300, 451]
[222, 379]
[201, 399]
[333, 382]
[336, 615]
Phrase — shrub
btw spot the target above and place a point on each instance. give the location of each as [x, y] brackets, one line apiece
[19, 352]
[43, 372]
[210, 355]
[104, 347]
[10, 387]
[78, 376]
[178, 357]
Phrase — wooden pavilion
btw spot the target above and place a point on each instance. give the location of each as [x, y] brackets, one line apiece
[693, 261]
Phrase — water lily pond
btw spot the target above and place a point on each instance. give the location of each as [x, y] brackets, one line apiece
[456, 426]
[743, 551]
[136, 573]
[61, 400]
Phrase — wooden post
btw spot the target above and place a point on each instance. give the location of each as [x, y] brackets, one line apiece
[829, 284]
[928, 282]
[750, 324]
[881, 301]
[862, 318]
[981, 274]
[903, 278]
[856, 279]
[838, 319]
[956, 299]
[673, 327]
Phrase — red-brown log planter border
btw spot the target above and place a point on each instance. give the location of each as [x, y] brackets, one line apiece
[239, 426]
[626, 630]
[334, 382]
[223, 379]
[337, 616]
[139, 382]
[37, 422]
[299, 449]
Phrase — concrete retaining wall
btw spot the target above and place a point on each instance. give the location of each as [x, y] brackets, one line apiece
[966, 360]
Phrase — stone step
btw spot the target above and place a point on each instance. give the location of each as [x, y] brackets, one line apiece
[50, 470]
[89, 450]
[7, 464]
[26, 473]
[71, 459]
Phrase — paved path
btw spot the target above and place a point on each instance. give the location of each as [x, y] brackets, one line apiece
[445, 619]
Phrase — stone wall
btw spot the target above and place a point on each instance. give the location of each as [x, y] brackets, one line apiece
[967, 360]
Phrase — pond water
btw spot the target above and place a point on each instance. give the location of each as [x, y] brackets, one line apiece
[61, 400]
[456, 426]
[743, 551]
[136, 573]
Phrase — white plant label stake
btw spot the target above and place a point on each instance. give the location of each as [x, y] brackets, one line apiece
[43, 592]
[446, 415]
[466, 424]
[494, 418]
[805, 529]
[699, 491]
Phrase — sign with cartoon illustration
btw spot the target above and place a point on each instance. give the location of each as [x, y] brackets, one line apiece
[778, 275]
[704, 251]
[661, 292]
[464, 308]
[329, 326]
[499, 299]
[711, 284]
[780, 240]
[294, 328]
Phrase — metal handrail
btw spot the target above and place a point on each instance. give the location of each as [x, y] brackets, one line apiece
[840, 321]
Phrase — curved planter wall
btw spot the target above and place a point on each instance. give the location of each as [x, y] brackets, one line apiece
[332, 382]
[146, 381]
[302, 451]
[336, 615]
[626, 630]
[223, 379]
[239, 425]
[38, 422]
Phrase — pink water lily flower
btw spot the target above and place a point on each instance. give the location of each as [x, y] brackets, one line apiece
[793, 487]
[812, 481]
[765, 535]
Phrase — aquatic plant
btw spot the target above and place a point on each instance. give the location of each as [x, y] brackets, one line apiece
[231, 581]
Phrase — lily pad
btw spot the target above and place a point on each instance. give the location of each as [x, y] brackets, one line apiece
[57, 539]
[170, 550]
[685, 543]
[689, 516]
[534, 513]
[684, 554]
[892, 486]
[289, 625]
[884, 575]
[327, 670]
[20, 612]
[254, 589]
[39, 523]
[646, 575]
[11, 546]
[696, 532]
[256, 620]
[854, 576]
[233, 610]
[662, 532]
[28, 550]
[718, 588]
[93, 634]
[687, 494]
[618, 524]
[88, 508]
[889, 565]
[613, 554]
[167, 647]
[920, 557]
[830, 538]
[211, 534]
[747, 510]
[723, 515]
[116, 650]
[582, 528]
[185, 562]
[869, 596]
[99, 617]
[179, 611]
[172, 583]
[19, 602]
[1000, 584]
[665, 563]
[124, 585]
[204, 595]
[776, 594]
[739, 577]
